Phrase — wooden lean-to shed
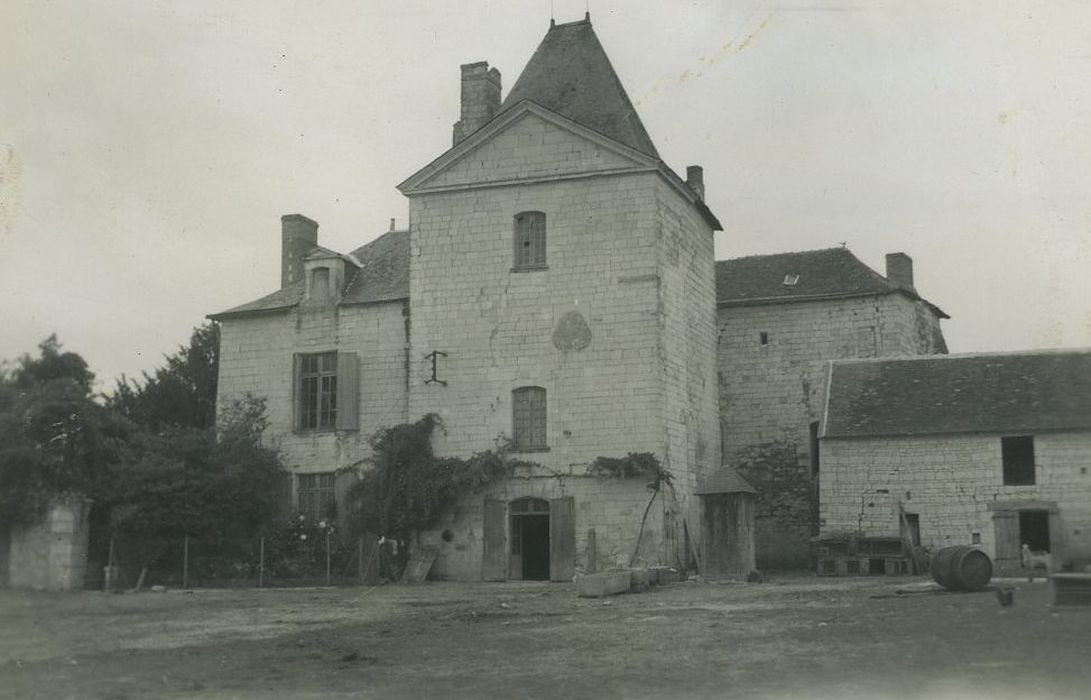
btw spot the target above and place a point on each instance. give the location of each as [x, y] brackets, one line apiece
[727, 524]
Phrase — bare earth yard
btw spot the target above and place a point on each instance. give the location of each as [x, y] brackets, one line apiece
[795, 637]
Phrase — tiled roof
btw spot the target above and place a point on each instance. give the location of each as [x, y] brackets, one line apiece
[989, 393]
[571, 75]
[815, 274]
[383, 276]
[384, 270]
[725, 480]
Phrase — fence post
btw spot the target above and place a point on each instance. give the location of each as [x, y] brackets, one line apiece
[185, 561]
[261, 563]
[327, 556]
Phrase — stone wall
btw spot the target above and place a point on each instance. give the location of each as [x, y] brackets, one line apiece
[52, 555]
[256, 357]
[771, 393]
[954, 483]
[613, 508]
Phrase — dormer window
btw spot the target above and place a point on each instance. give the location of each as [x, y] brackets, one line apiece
[320, 284]
[791, 280]
[529, 239]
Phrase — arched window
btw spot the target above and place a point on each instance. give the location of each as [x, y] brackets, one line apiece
[529, 241]
[528, 418]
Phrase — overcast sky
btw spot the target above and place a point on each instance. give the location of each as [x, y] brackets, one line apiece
[148, 148]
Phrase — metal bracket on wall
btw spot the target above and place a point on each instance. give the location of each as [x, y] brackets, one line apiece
[434, 379]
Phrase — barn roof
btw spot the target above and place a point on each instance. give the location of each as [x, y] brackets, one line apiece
[936, 394]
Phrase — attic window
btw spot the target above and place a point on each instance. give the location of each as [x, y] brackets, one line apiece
[791, 280]
[763, 338]
[320, 283]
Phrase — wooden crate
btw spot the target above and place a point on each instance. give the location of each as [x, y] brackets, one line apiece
[1071, 589]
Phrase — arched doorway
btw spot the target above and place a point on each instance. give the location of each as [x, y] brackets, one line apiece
[529, 539]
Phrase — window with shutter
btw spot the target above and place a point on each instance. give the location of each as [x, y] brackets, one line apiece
[324, 388]
[529, 241]
[529, 418]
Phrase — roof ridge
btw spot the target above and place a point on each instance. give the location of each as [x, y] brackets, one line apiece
[963, 355]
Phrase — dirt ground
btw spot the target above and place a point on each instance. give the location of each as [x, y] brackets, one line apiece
[794, 637]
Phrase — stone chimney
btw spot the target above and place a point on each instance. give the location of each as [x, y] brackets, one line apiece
[480, 98]
[899, 270]
[695, 178]
[298, 235]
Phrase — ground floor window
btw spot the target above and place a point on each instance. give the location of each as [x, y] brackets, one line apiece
[316, 495]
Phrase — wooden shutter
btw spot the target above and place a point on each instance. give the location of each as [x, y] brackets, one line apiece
[347, 399]
[495, 552]
[1007, 554]
[562, 539]
[297, 372]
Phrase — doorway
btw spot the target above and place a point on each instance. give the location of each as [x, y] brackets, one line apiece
[1034, 530]
[530, 539]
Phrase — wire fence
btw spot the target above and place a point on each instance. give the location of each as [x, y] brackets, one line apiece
[280, 559]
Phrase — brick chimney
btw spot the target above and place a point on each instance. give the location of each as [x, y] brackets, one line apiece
[695, 178]
[899, 270]
[298, 235]
[480, 98]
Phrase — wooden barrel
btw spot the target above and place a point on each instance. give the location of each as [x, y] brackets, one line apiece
[961, 568]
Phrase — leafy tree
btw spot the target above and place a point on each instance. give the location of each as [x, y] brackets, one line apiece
[55, 441]
[180, 393]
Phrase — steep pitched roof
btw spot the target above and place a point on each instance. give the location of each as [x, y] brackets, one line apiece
[829, 273]
[383, 275]
[990, 393]
[571, 75]
[725, 480]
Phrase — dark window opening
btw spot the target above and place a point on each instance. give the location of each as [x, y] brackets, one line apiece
[318, 391]
[1034, 529]
[913, 523]
[829, 566]
[529, 418]
[529, 241]
[316, 497]
[763, 337]
[1018, 459]
[852, 566]
[876, 566]
[814, 449]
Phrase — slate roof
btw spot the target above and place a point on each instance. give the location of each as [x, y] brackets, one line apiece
[1012, 393]
[571, 75]
[383, 276]
[830, 273]
[725, 480]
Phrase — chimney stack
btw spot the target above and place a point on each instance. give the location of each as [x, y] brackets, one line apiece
[899, 270]
[480, 98]
[298, 235]
[695, 178]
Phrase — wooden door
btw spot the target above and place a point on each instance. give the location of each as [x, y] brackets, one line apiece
[494, 558]
[562, 539]
[1007, 557]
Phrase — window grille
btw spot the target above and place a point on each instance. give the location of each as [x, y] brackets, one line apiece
[529, 418]
[530, 240]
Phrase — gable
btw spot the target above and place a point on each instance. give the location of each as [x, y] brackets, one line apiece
[526, 143]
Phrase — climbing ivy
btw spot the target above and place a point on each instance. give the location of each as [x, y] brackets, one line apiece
[409, 487]
[632, 465]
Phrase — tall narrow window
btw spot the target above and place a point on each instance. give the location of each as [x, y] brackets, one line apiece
[1017, 454]
[317, 495]
[529, 240]
[529, 418]
[318, 391]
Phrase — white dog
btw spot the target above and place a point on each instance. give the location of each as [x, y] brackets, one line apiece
[1035, 560]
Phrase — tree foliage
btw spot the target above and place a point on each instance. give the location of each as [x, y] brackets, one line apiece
[55, 441]
[180, 393]
[409, 487]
